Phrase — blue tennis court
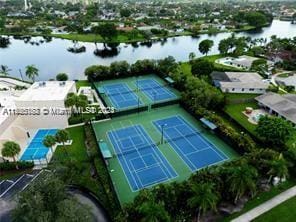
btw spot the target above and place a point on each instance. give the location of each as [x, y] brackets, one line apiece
[36, 150]
[196, 151]
[121, 96]
[154, 90]
[142, 162]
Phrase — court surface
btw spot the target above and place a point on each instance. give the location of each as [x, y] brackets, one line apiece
[195, 150]
[154, 91]
[121, 96]
[36, 150]
[142, 162]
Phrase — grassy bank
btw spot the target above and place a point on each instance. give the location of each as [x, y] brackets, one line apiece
[284, 212]
[261, 198]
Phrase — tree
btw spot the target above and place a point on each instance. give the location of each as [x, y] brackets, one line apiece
[62, 77]
[120, 68]
[4, 70]
[11, 149]
[204, 198]
[260, 66]
[192, 56]
[79, 102]
[153, 212]
[62, 136]
[279, 168]
[205, 46]
[201, 67]
[224, 46]
[106, 30]
[32, 72]
[275, 131]
[240, 179]
[49, 141]
[47, 200]
[125, 12]
[256, 19]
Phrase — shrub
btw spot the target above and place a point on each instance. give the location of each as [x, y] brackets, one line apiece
[6, 166]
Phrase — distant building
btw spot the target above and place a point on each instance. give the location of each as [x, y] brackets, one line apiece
[239, 82]
[242, 62]
[280, 105]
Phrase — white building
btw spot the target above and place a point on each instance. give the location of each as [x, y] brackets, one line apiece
[41, 106]
[48, 100]
[239, 82]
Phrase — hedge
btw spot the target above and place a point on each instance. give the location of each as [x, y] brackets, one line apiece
[6, 166]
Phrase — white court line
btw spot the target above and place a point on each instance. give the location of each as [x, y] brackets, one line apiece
[147, 137]
[206, 140]
[123, 169]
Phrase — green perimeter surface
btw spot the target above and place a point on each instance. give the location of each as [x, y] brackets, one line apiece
[145, 119]
[285, 212]
[131, 83]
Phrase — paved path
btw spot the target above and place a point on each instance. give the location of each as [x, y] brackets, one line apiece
[261, 209]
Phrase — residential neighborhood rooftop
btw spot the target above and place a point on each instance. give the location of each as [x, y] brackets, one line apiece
[284, 105]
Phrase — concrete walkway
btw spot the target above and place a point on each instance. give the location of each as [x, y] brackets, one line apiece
[261, 209]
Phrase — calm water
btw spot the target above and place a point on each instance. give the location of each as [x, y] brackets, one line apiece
[52, 58]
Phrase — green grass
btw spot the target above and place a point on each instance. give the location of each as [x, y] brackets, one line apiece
[235, 112]
[240, 96]
[81, 83]
[11, 174]
[285, 212]
[77, 152]
[145, 119]
[284, 75]
[261, 198]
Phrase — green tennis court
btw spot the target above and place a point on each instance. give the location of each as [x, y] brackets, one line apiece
[146, 121]
[134, 92]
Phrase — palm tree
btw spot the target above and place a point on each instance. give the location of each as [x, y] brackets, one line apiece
[62, 136]
[153, 212]
[32, 72]
[242, 178]
[11, 149]
[49, 141]
[77, 101]
[204, 198]
[279, 168]
[4, 70]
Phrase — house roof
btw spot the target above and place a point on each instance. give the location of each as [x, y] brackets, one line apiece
[239, 80]
[284, 105]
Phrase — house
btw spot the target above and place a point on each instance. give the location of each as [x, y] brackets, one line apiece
[239, 82]
[242, 62]
[280, 105]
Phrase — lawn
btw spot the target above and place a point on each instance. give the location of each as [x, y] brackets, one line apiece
[77, 153]
[284, 212]
[261, 198]
[81, 83]
[240, 96]
[235, 112]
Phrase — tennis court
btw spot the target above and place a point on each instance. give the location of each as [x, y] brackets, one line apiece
[121, 96]
[154, 91]
[142, 162]
[36, 150]
[194, 149]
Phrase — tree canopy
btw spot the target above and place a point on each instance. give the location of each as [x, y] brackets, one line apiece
[274, 130]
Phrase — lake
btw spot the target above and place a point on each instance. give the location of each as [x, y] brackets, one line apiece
[52, 57]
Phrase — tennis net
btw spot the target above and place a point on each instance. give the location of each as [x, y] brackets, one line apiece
[143, 88]
[122, 92]
[137, 149]
[183, 136]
